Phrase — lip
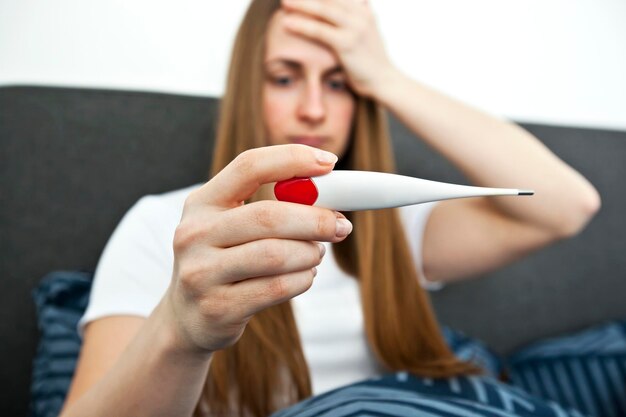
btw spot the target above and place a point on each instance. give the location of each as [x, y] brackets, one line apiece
[310, 140]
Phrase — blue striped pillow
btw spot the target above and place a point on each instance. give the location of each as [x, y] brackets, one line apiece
[473, 350]
[586, 370]
[404, 395]
[60, 298]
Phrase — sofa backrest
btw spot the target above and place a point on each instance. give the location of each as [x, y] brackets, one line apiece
[74, 160]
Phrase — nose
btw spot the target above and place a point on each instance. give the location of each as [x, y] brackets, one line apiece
[311, 107]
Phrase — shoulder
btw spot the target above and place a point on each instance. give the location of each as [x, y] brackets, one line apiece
[136, 264]
[416, 215]
[158, 210]
[145, 231]
[414, 219]
[168, 201]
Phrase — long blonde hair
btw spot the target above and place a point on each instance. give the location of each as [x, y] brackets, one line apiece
[266, 369]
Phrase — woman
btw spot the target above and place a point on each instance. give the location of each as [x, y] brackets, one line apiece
[164, 333]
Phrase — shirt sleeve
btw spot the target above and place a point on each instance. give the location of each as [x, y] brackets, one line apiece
[415, 218]
[135, 268]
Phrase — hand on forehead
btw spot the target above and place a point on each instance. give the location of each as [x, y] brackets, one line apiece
[282, 43]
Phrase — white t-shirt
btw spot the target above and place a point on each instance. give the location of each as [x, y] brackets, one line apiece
[136, 266]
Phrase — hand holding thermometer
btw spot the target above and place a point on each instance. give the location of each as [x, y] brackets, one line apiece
[366, 190]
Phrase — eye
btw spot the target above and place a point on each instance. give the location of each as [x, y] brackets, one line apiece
[282, 81]
[337, 84]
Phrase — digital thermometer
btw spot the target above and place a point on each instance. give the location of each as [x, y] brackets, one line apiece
[366, 190]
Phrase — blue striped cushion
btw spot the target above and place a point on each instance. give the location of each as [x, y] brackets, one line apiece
[586, 370]
[60, 298]
[473, 350]
[403, 395]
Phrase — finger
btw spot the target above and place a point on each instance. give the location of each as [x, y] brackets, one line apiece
[351, 3]
[267, 257]
[257, 294]
[280, 220]
[254, 167]
[316, 30]
[329, 11]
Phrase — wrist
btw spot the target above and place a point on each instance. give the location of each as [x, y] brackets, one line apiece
[173, 337]
[390, 81]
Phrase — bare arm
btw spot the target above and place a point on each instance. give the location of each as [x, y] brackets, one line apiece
[494, 152]
[131, 366]
[483, 234]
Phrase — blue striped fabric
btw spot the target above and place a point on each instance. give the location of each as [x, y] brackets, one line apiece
[586, 370]
[594, 382]
[60, 298]
[403, 395]
[473, 350]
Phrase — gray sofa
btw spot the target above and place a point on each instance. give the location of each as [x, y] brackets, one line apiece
[74, 160]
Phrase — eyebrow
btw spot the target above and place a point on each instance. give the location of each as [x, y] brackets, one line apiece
[295, 65]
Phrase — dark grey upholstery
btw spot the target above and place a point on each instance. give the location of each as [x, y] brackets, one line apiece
[74, 160]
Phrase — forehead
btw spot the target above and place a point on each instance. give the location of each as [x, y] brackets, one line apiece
[281, 44]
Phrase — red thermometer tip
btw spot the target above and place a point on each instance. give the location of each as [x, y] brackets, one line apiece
[296, 190]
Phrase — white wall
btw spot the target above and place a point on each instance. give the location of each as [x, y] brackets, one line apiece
[553, 61]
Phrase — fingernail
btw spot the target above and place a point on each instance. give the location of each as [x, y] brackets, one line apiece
[343, 228]
[322, 249]
[325, 158]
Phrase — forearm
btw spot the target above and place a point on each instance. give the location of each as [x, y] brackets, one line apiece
[153, 377]
[495, 153]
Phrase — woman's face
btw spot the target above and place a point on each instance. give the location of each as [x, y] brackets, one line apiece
[306, 98]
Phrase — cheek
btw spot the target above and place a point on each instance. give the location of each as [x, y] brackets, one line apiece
[343, 114]
[275, 111]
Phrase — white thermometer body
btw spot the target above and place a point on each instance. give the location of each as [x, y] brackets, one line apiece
[366, 190]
